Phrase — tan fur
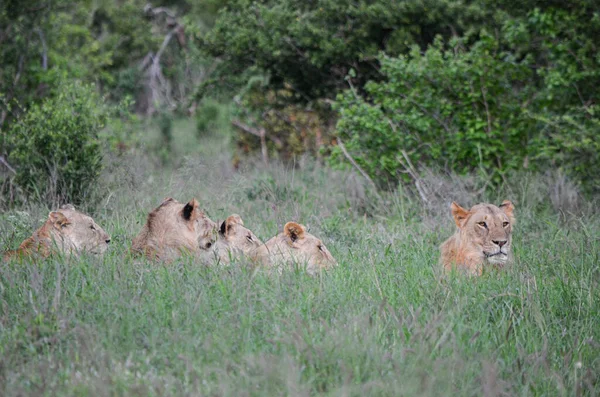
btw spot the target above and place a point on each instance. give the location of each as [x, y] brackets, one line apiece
[66, 231]
[296, 246]
[235, 240]
[483, 237]
[174, 228]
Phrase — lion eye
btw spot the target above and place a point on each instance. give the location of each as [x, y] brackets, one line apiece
[482, 224]
[92, 227]
[505, 224]
[320, 247]
[249, 237]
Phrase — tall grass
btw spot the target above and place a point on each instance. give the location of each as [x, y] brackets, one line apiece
[385, 322]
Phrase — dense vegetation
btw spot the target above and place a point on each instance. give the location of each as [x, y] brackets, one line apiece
[368, 118]
[455, 85]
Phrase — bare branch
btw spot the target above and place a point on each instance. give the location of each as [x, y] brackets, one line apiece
[412, 171]
[8, 166]
[255, 132]
[44, 48]
[148, 9]
[358, 167]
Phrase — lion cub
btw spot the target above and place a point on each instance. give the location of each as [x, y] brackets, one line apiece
[66, 231]
[174, 228]
[483, 237]
[296, 246]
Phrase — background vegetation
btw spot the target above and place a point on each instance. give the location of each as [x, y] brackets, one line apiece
[363, 120]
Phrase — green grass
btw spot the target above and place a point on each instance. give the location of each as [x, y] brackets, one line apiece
[385, 322]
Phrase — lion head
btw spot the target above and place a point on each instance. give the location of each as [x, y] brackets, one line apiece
[173, 228]
[484, 236]
[235, 240]
[296, 245]
[66, 231]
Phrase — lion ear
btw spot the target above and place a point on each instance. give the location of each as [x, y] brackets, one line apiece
[58, 219]
[508, 208]
[294, 231]
[188, 210]
[459, 213]
[67, 207]
[235, 219]
[231, 220]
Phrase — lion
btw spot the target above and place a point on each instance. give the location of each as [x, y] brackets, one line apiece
[66, 231]
[296, 246]
[174, 228]
[235, 240]
[484, 237]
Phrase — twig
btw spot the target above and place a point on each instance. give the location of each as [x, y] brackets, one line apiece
[255, 132]
[8, 166]
[412, 171]
[148, 9]
[358, 167]
[44, 49]
[259, 133]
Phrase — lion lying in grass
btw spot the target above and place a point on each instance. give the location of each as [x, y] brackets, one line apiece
[66, 231]
[483, 238]
[235, 240]
[173, 229]
[295, 246]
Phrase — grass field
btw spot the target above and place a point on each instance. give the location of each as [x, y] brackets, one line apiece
[385, 322]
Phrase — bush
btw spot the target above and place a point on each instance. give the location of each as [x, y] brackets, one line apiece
[458, 108]
[207, 117]
[524, 98]
[55, 148]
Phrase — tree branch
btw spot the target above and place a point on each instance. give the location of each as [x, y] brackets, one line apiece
[358, 167]
[44, 48]
[255, 132]
[8, 166]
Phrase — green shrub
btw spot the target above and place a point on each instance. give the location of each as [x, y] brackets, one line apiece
[207, 117]
[525, 97]
[55, 148]
[460, 108]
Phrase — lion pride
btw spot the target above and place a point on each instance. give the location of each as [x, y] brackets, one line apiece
[174, 228]
[484, 237]
[295, 246]
[66, 231]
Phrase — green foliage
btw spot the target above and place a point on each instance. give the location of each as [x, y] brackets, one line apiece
[208, 115]
[525, 97]
[460, 107]
[311, 46]
[55, 146]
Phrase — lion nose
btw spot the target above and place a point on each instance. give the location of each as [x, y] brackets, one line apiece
[499, 243]
[107, 240]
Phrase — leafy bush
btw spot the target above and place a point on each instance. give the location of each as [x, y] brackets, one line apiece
[311, 45]
[524, 98]
[55, 148]
[458, 107]
[207, 117]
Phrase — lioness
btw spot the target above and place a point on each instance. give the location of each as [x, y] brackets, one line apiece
[66, 231]
[174, 228]
[483, 237]
[235, 240]
[296, 246]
